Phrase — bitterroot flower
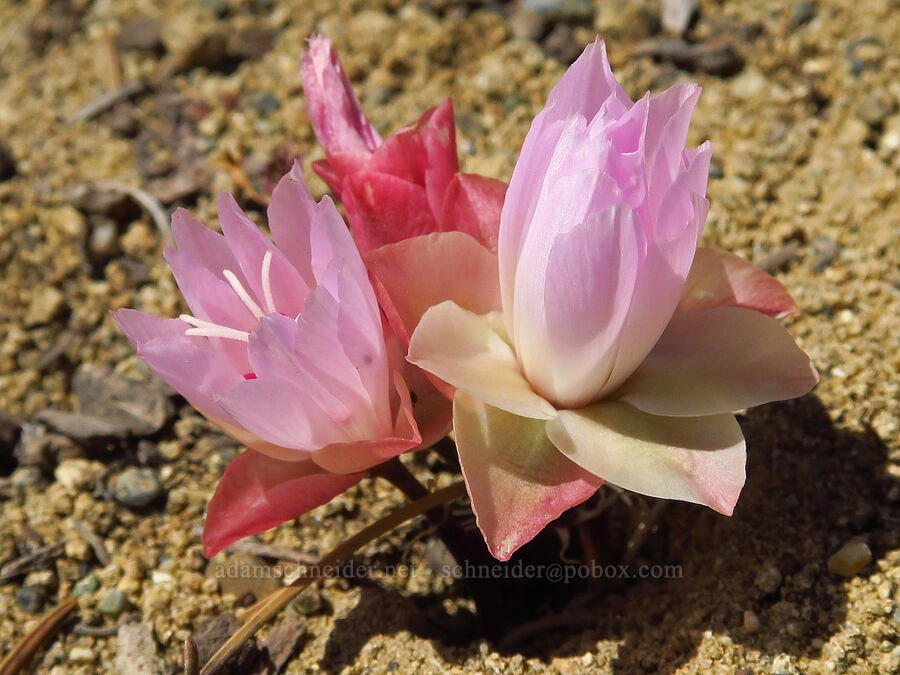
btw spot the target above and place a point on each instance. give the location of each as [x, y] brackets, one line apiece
[285, 351]
[407, 185]
[614, 352]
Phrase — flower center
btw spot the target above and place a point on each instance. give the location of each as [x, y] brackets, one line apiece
[203, 328]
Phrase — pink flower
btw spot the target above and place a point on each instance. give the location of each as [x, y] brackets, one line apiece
[406, 186]
[616, 354]
[285, 351]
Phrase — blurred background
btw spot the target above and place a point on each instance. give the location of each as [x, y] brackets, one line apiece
[115, 112]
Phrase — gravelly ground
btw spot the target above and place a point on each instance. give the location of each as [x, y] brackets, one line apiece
[801, 103]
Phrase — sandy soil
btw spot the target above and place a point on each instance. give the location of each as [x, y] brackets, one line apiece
[801, 103]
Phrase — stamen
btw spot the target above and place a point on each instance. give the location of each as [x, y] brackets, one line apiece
[243, 294]
[267, 282]
[209, 329]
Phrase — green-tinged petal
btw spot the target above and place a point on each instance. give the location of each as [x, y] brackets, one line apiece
[695, 459]
[517, 481]
[464, 350]
[711, 361]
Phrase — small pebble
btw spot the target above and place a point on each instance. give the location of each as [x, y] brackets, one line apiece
[527, 25]
[86, 586]
[802, 13]
[563, 10]
[113, 604]
[677, 14]
[137, 488]
[31, 598]
[850, 560]
[752, 624]
[81, 655]
[768, 580]
[46, 304]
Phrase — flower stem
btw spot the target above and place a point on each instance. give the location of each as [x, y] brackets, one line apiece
[331, 560]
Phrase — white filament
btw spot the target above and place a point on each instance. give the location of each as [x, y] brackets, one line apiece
[242, 293]
[203, 328]
[267, 282]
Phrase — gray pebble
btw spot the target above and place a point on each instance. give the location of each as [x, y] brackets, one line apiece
[85, 586]
[31, 598]
[564, 10]
[113, 604]
[677, 15]
[137, 488]
[802, 13]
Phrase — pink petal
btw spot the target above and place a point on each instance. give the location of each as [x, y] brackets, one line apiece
[586, 86]
[571, 306]
[282, 413]
[517, 481]
[249, 246]
[667, 129]
[464, 350]
[384, 209]
[417, 273]
[657, 292]
[334, 111]
[257, 493]
[695, 459]
[719, 360]
[365, 453]
[424, 154]
[472, 204]
[720, 279]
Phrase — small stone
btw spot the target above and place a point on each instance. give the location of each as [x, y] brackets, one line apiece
[26, 476]
[43, 578]
[46, 304]
[749, 85]
[781, 665]
[283, 641]
[866, 53]
[308, 602]
[137, 488]
[874, 109]
[212, 634]
[527, 25]
[136, 650]
[850, 560]
[77, 475]
[752, 624]
[265, 103]
[81, 655]
[113, 604]
[827, 251]
[716, 57]
[768, 580]
[677, 15]
[112, 405]
[562, 10]
[31, 598]
[8, 166]
[86, 586]
[103, 241]
[802, 13]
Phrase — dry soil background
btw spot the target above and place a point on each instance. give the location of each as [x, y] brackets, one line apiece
[110, 473]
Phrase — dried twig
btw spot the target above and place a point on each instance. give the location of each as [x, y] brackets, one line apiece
[274, 552]
[191, 659]
[102, 631]
[93, 539]
[23, 564]
[145, 199]
[107, 101]
[22, 653]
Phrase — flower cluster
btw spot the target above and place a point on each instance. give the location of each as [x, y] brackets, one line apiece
[568, 327]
